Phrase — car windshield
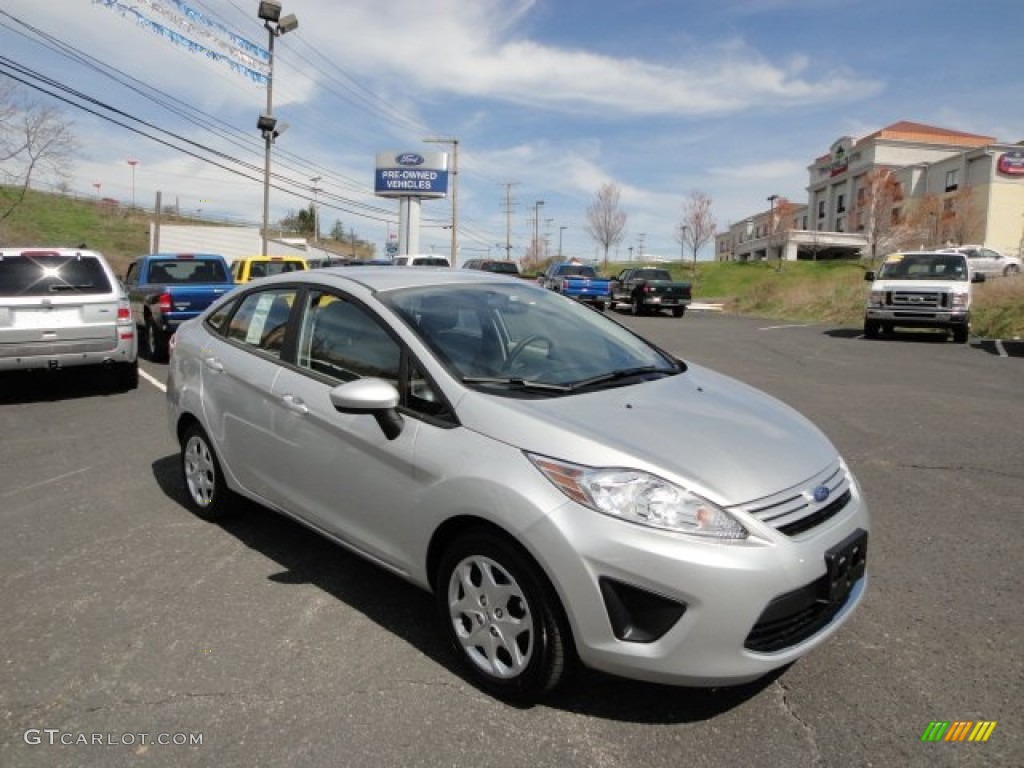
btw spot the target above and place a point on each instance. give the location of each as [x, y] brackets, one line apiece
[524, 341]
[924, 266]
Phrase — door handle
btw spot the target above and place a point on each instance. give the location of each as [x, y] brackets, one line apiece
[213, 364]
[294, 404]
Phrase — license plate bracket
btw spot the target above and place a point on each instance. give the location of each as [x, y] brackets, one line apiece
[845, 564]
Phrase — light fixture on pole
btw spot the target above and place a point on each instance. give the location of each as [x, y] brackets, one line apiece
[270, 12]
[133, 163]
[455, 190]
[316, 212]
[560, 231]
[771, 231]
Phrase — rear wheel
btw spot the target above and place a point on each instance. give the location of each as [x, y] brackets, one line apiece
[126, 375]
[1011, 269]
[502, 617]
[636, 307]
[208, 494]
[156, 342]
[678, 311]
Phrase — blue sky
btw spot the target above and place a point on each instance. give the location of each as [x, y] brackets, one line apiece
[549, 99]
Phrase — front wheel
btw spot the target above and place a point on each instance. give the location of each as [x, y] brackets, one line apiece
[502, 617]
[871, 329]
[960, 334]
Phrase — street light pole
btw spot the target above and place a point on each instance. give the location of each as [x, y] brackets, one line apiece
[771, 230]
[455, 190]
[270, 12]
[133, 163]
[560, 231]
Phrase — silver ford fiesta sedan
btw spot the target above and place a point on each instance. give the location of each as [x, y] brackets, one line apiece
[568, 492]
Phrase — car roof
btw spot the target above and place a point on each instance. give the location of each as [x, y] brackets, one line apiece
[383, 278]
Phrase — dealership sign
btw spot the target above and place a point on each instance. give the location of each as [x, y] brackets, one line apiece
[1012, 163]
[411, 174]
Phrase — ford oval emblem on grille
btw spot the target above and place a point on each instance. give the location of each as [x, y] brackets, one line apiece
[409, 158]
[821, 493]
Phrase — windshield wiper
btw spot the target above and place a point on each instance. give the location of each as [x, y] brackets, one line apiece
[624, 373]
[518, 383]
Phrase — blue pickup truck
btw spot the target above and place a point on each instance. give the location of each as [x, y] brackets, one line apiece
[578, 281]
[165, 289]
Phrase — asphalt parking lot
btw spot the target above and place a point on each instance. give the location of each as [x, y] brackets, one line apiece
[124, 615]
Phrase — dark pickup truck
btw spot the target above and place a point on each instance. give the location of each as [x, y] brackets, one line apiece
[651, 289]
[166, 289]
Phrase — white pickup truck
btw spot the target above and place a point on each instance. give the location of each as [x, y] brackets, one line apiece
[921, 289]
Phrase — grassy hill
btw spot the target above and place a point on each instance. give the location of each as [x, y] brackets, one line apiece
[825, 292]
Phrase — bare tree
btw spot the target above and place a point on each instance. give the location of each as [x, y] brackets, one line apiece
[606, 222]
[698, 225]
[877, 199]
[35, 140]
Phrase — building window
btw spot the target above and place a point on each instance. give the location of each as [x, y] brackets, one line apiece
[951, 180]
[821, 209]
[841, 204]
[839, 224]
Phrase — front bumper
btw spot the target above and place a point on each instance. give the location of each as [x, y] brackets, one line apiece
[918, 318]
[748, 607]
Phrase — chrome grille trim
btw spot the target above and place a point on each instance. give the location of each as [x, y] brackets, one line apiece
[785, 510]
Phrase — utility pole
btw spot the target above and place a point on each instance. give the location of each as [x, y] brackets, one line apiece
[508, 219]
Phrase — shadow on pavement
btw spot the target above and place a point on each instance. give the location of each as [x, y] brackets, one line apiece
[408, 612]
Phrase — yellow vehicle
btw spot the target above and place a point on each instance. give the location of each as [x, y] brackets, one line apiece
[252, 267]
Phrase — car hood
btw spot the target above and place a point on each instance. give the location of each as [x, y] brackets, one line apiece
[714, 435]
[918, 285]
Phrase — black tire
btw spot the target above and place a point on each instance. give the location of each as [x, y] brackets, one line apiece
[599, 306]
[636, 307]
[126, 375]
[871, 329]
[1011, 270]
[961, 334]
[156, 342]
[887, 328]
[678, 311]
[205, 488]
[513, 637]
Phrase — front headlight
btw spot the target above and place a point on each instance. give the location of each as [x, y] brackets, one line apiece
[639, 497]
[876, 299]
[960, 299]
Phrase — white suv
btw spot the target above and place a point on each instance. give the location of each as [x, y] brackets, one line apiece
[987, 261]
[64, 307]
[421, 260]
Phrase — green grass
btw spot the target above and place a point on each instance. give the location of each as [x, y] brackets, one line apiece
[824, 292]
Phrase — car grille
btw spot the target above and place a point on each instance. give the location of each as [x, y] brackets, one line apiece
[792, 618]
[917, 300]
[795, 510]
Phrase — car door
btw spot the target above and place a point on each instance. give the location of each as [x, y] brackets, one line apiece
[339, 471]
[237, 374]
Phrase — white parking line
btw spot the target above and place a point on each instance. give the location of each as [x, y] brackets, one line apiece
[1000, 348]
[791, 325]
[154, 381]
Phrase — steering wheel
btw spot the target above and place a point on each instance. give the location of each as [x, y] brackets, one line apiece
[521, 345]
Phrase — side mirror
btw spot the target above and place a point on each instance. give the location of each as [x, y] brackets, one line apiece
[375, 397]
[869, 277]
[978, 277]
